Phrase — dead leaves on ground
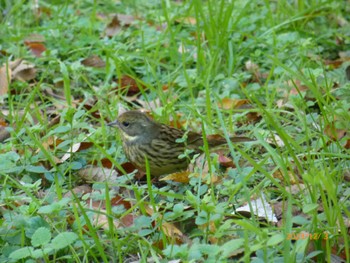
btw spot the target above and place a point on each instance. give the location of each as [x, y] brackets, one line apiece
[15, 70]
[131, 86]
[94, 61]
[244, 105]
[117, 23]
[35, 43]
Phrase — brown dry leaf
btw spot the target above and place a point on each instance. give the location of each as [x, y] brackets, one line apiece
[4, 134]
[148, 106]
[5, 79]
[178, 122]
[347, 144]
[169, 229]
[94, 113]
[184, 177]
[118, 200]
[79, 190]
[106, 163]
[187, 21]
[23, 70]
[228, 103]
[3, 123]
[253, 116]
[332, 132]
[128, 83]
[212, 228]
[126, 20]
[113, 28]
[128, 168]
[40, 11]
[100, 220]
[50, 143]
[225, 161]
[94, 62]
[295, 189]
[299, 87]
[127, 220]
[36, 48]
[98, 174]
[55, 120]
[278, 174]
[15, 63]
[280, 208]
[180, 177]
[337, 63]
[35, 44]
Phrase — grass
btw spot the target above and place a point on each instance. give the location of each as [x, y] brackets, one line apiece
[288, 58]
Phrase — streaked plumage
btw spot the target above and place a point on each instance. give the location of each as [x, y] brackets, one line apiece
[142, 137]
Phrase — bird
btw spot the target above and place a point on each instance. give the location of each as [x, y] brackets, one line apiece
[161, 144]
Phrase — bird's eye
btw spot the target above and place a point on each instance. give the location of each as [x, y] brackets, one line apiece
[125, 123]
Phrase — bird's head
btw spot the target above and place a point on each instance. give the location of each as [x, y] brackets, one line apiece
[135, 125]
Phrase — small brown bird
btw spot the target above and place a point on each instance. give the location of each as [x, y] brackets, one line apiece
[144, 138]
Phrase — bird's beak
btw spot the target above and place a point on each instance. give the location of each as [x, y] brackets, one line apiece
[113, 123]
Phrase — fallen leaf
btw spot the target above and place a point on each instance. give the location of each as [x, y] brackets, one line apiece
[50, 143]
[5, 79]
[36, 48]
[334, 133]
[106, 163]
[79, 190]
[260, 208]
[113, 28]
[94, 62]
[184, 176]
[98, 174]
[127, 220]
[128, 83]
[101, 220]
[126, 20]
[278, 174]
[225, 161]
[3, 123]
[275, 139]
[77, 147]
[169, 229]
[118, 200]
[180, 177]
[42, 10]
[187, 21]
[347, 145]
[251, 66]
[23, 70]
[337, 63]
[4, 134]
[228, 103]
[182, 49]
